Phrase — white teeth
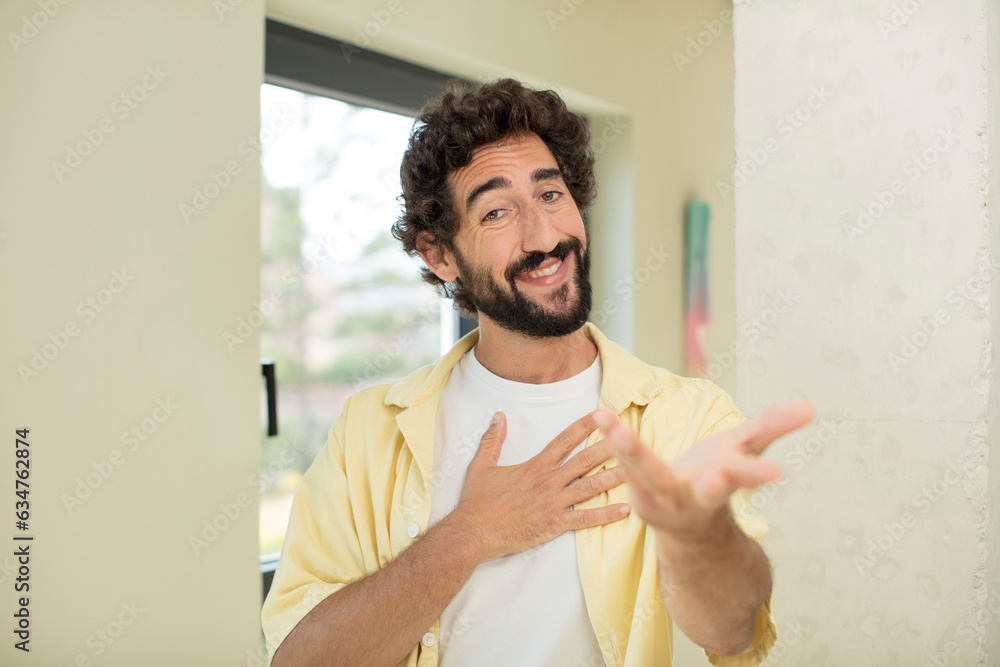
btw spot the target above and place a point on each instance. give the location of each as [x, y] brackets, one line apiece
[546, 272]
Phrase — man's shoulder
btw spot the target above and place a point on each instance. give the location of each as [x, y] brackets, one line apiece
[689, 398]
[385, 399]
[670, 388]
[646, 382]
[692, 394]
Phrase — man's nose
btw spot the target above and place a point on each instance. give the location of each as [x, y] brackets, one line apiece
[539, 233]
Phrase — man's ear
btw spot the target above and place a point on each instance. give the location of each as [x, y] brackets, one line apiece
[438, 259]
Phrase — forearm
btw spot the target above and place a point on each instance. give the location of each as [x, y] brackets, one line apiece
[713, 585]
[377, 620]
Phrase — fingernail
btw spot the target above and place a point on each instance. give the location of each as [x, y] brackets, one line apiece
[496, 418]
[625, 509]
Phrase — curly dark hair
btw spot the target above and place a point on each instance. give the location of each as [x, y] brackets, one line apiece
[446, 132]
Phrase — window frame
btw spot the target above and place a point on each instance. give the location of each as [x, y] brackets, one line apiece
[319, 65]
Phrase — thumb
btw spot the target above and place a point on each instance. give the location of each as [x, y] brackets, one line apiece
[489, 445]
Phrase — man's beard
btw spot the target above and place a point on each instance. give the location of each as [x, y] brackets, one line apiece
[514, 311]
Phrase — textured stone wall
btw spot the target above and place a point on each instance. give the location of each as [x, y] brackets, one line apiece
[863, 274]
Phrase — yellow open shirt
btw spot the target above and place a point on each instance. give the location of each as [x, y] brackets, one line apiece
[352, 513]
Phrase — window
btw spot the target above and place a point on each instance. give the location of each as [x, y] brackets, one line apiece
[343, 306]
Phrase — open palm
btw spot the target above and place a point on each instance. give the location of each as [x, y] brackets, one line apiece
[686, 497]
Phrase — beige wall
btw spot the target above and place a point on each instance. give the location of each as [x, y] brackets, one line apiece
[114, 580]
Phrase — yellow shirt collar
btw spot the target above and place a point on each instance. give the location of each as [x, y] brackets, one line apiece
[626, 379]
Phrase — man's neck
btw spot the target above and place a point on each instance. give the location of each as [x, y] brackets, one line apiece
[519, 358]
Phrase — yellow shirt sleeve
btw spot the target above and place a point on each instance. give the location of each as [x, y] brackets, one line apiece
[321, 553]
[754, 525]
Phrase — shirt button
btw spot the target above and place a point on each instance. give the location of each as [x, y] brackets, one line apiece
[413, 530]
[429, 639]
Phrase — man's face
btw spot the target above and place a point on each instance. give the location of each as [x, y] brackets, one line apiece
[521, 251]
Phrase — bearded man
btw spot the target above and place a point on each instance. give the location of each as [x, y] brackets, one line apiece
[471, 513]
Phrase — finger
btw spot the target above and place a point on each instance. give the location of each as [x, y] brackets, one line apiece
[586, 460]
[490, 444]
[643, 503]
[631, 451]
[711, 489]
[648, 497]
[750, 472]
[588, 518]
[560, 447]
[606, 419]
[645, 469]
[777, 420]
[714, 485]
[588, 487]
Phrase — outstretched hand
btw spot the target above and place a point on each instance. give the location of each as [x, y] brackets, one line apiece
[686, 497]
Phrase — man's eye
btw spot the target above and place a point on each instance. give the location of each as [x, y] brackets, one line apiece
[492, 215]
[551, 192]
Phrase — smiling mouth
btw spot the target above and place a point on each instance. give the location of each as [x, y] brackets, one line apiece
[547, 271]
[551, 272]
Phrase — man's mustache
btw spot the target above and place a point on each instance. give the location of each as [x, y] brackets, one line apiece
[535, 259]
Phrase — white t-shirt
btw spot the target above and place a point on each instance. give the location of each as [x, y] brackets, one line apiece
[525, 609]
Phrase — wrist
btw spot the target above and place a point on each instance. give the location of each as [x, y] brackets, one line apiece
[466, 536]
[718, 535]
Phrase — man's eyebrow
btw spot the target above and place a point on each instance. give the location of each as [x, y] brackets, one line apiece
[497, 182]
